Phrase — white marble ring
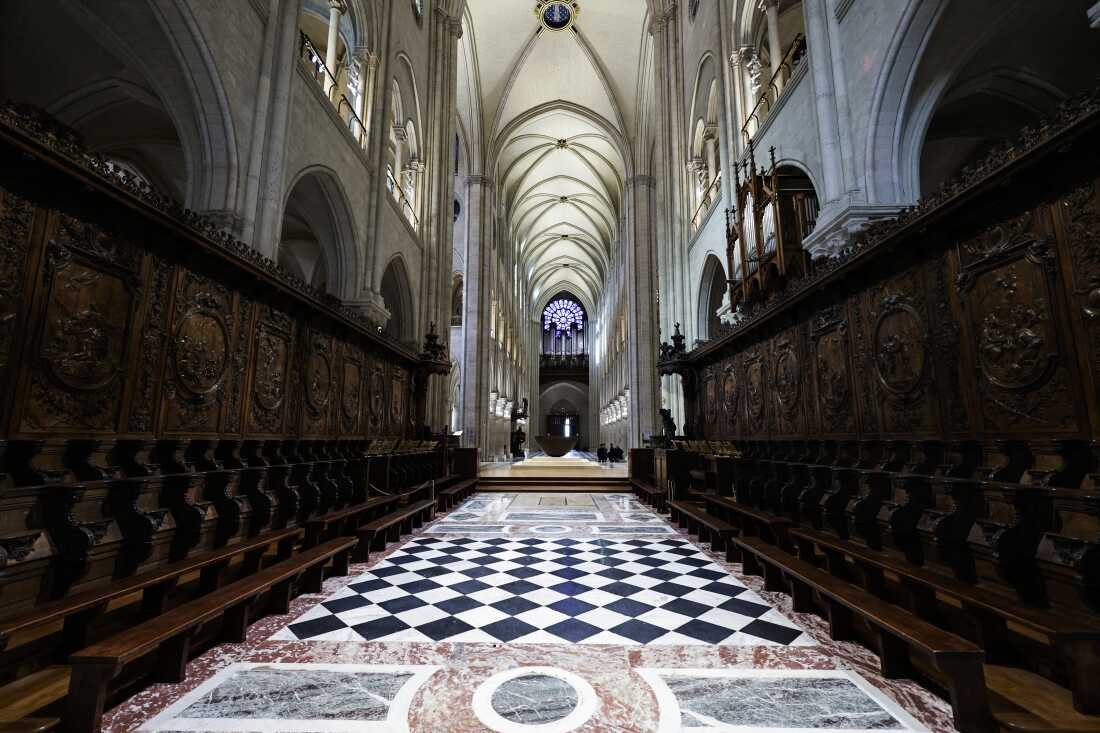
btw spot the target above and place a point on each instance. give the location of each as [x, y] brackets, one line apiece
[587, 702]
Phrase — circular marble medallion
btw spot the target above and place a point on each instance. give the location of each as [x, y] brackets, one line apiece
[551, 529]
[535, 700]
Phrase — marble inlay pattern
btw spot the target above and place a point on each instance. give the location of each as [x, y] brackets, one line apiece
[787, 700]
[444, 702]
[535, 700]
[298, 697]
[511, 515]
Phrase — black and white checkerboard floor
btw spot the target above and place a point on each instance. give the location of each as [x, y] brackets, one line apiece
[657, 591]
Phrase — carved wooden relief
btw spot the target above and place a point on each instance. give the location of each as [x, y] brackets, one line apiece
[1007, 284]
[271, 366]
[169, 389]
[351, 392]
[787, 380]
[377, 395]
[729, 401]
[898, 356]
[91, 285]
[199, 355]
[832, 371]
[710, 401]
[319, 383]
[755, 391]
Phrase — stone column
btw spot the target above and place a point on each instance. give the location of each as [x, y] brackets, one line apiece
[771, 7]
[336, 9]
[271, 173]
[817, 40]
[741, 110]
[476, 350]
[673, 181]
[640, 265]
[1094, 16]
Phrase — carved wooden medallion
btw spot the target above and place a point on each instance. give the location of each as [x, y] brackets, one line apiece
[269, 388]
[788, 379]
[900, 346]
[318, 380]
[201, 351]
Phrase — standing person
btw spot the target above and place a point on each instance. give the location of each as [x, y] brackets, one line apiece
[601, 453]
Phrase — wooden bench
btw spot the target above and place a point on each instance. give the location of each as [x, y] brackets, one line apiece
[709, 528]
[898, 632]
[451, 496]
[170, 635]
[392, 526]
[345, 522]
[750, 522]
[1076, 639]
[77, 611]
[28, 695]
[649, 493]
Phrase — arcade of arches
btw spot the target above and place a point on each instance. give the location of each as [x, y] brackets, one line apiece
[301, 301]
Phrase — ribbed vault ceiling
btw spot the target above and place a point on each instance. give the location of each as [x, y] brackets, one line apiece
[556, 109]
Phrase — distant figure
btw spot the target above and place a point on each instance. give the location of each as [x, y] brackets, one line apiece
[614, 454]
[601, 453]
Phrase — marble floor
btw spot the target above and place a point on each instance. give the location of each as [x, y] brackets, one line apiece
[543, 613]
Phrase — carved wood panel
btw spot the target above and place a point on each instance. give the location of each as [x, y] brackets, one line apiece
[1007, 284]
[199, 355]
[91, 285]
[833, 372]
[272, 342]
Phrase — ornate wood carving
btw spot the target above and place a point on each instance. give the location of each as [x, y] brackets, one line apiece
[170, 389]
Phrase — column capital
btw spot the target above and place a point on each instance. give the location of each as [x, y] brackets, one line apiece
[365, 56]
[340, 6]
[766, 4]
[741, 56]
[484, 181]
[641, 180]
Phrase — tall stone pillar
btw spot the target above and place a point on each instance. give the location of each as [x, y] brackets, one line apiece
[477, 347]
[674, 185]
[267, 169]
[641, 315]
[771, 7]
[336, 10]
[828, 124]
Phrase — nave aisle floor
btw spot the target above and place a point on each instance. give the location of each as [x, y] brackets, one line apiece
[540, 613]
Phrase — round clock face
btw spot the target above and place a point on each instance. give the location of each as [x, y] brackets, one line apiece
[557, 16]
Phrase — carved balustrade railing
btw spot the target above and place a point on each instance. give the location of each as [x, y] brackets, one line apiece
[331, 87]
[792, 59]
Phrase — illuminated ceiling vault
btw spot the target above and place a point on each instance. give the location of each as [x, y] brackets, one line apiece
[557, 110]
